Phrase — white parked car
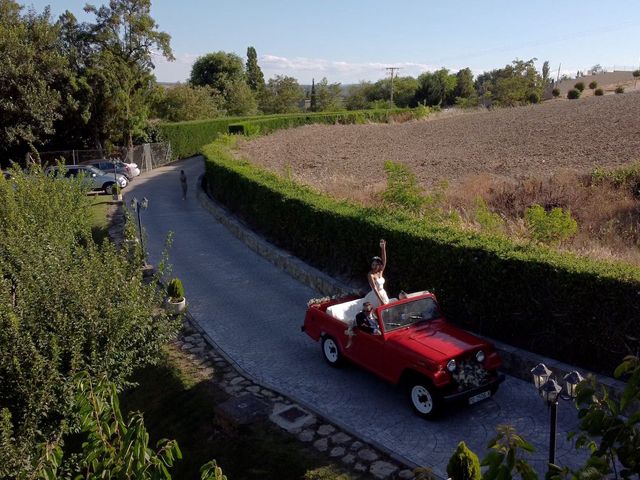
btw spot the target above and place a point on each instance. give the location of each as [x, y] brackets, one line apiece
[129, 170]
[98, 179]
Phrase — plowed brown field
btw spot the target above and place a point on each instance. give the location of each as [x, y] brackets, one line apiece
[504, 144]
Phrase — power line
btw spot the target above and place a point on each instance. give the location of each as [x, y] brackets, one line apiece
[391, 70]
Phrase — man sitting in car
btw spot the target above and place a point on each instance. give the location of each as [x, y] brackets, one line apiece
[366, 320]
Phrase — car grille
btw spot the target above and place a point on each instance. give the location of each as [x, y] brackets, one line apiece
[470, 374]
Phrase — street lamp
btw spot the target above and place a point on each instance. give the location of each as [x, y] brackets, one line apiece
[551, 391]
[136, 206]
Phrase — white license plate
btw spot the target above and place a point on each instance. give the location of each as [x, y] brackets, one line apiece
[478, 397]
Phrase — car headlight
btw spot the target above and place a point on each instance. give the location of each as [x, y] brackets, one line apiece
[451, 365]
[480, 356]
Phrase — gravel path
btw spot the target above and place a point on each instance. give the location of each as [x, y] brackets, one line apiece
[254, 311]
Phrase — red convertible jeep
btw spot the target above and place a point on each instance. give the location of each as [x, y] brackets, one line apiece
[416, 347]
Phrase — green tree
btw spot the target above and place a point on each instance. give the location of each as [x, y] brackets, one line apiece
[328, 96]
[126, 38]
[32, 64]
[313, 101]
[464, 464]
[283, 95]
[545, 72]
[239, 99]
[357, 97]
[218, 70]
[515, 84]
[255, 77]
[464, 84]
[404, 91]
[437, 88]
[185, 102]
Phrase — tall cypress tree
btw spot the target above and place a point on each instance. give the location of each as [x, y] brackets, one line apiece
[314, 103]
[255, 77]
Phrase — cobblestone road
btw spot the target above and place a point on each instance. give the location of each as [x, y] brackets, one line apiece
[254, 312]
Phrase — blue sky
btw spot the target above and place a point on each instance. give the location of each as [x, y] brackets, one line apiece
[351, 40]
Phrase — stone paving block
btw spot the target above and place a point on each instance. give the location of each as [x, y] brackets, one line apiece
[322, 444]
[337, 452]
[381, 469]
[349, 459]
[253, 389]
[360, 467]
[340, 438]
[306, 435]
[357, 445]
[325, 430]
[236, 381]
[406, 474]
[367, 455]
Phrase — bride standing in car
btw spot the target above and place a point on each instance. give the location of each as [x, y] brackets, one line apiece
[378, 296]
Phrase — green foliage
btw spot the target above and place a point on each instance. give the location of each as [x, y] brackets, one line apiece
[624, 177]
[573, 94]
[328, 96]
[555, 92]
[218, 70]
[579, 86]
[593, 85]
[403, 191]
[66, 305]
[437, 88]
[512, 85]
[184, 103]
[211, 471]
[464, 84]
[466, 266]
[358, 96]
[464, 464]
[255, 77]
[534, 97]
[282, 95]
[619, 89]
[489, 221]
[551, 227]
[506, 456]
[598, 92]
[610, 426]
[239, 99]
[636, 73]
[175, 290]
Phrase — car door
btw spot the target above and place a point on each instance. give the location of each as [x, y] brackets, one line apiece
[368, 350]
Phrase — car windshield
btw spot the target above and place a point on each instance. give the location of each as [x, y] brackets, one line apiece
[396, 316]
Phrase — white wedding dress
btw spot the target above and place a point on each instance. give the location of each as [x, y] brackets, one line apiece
[373, 298]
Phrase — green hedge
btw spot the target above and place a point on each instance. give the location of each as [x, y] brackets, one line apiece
[187, 138]
[575, 309]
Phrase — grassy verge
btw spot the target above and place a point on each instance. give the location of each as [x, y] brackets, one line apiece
[99, 221]
[178, 402]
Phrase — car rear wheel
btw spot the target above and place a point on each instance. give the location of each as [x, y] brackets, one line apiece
[109, 188]
[331, 351]
[423, 397]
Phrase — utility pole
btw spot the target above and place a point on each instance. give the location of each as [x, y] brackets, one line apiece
[558, 76]
[391, 70]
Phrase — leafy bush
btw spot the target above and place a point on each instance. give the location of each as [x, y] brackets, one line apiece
[490, 222]
[619, 89]
[636, 73]
[555, 92]
[593, 85]
[464, 267]
[464, 464]
[402, 189]
[175, 290]
[552, 227]
[579, 86]
[598, 92]
[573, 94]
[507, 452]
[66, 305]
[534, 97]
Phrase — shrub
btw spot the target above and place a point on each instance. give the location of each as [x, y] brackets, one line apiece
[464, 267]
[555, 92]
[464, 464]
[598, 92]
[593, 85]
[619, 89]
[579, 86]
[534, 97]
[573, 94]
[636, 73]
[175, 290]
[402, 190]
[553, 227]
[488, 220]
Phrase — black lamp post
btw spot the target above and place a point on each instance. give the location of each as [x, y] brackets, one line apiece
[137, 206]
[551, 392]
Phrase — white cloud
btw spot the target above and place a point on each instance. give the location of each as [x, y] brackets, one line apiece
[301, 68]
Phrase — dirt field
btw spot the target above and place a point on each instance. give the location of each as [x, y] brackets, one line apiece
[507, 144]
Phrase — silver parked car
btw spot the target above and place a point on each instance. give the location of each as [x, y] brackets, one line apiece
[97, 179]
[129, 170]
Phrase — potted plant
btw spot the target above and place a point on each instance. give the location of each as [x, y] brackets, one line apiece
[176, 303]
[116, 192]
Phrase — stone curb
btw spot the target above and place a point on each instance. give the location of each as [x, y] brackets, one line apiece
[516, 362]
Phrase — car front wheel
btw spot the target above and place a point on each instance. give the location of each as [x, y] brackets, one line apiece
[109, 188]
[423, 398]
[331, 351]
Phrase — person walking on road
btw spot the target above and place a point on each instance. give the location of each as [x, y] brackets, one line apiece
[183, 183]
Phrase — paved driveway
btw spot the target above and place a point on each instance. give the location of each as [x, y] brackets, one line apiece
[254, 312]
